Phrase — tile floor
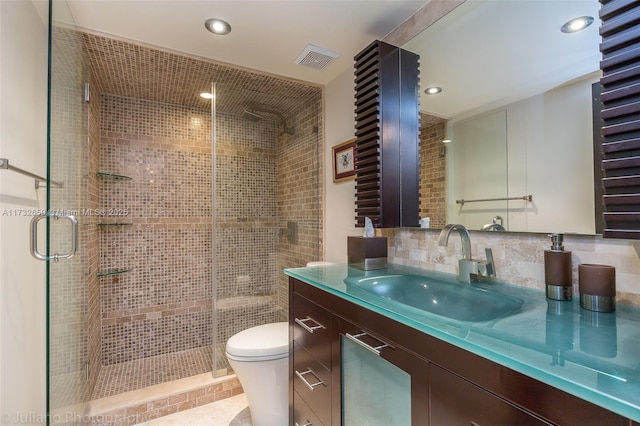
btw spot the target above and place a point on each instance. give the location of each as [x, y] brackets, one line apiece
[232, 411]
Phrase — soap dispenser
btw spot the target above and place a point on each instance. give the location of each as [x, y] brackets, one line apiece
[557, 270]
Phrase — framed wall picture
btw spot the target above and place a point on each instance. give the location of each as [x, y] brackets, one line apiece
[343, 161]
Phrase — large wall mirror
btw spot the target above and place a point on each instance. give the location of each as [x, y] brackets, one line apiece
[516, 107]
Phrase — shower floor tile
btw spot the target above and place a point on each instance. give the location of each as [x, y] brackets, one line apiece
[127, 376]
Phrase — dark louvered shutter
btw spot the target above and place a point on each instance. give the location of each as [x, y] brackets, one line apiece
[620, 98]
[387, 134]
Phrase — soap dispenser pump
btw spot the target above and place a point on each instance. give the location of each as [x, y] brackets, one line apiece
[557, 270]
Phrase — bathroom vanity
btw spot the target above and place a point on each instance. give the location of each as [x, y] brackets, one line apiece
[360, 356]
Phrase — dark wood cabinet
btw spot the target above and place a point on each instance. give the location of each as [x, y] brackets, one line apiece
[311, 361]
[620, 98]
[387, 135]
[455, 401]
[448, 385]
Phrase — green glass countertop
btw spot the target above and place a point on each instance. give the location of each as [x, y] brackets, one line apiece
[594, 356]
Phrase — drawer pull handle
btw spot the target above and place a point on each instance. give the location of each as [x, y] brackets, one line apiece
[311, 386]
[302, 323]
[375, 349]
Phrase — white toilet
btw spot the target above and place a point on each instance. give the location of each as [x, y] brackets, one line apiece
[260, 358]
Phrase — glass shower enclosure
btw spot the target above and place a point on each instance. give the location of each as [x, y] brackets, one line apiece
[187, 211]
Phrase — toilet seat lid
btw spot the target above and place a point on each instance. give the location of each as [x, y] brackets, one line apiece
[263, 340]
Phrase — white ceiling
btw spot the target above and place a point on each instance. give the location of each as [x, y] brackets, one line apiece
[487, 54]
[266, 35]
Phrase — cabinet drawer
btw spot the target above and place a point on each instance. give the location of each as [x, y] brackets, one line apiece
[312, 329]
[455, 401]
[302, 414]
[313, 383]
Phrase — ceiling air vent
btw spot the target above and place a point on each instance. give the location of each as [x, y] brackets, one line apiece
[316, 57]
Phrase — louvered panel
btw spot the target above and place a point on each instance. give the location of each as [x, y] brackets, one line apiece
[620, 58]
[368, 80]
[371, 87]
[620, 163]
[621, 110]
[370, 177]
[629, 234]
[621, 128]
[371, 201]
[379, 115]
[368, 211]
[365, 152]
[611, 8]
[369, 95]
[624, 217]
[622, 199]
[368, 105]
[369, 115]
[367, 185]
[623, 75]
[621, 182]
[374, 127]
[621, 146]
[615, 23]
[365, 105]
[372, 168]
[368, 147]
[372, 67]
[620, 99]
[368, 161]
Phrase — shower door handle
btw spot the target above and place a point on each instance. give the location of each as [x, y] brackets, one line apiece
[34, 237]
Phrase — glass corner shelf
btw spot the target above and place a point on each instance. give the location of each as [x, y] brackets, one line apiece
[114, 224]
[110, 272]
[112, 176]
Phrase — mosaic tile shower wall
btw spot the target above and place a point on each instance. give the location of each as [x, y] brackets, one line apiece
[300, 195]
[433, 161]
[161, 229]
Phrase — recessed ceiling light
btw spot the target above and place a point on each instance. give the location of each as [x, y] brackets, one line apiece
[217, 26]
[433, 90]
[577, 24]
[206, 95]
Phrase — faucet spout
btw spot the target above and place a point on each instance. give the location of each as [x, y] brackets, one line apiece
[443, 240]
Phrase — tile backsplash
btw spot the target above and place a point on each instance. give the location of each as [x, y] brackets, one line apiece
[519, 257]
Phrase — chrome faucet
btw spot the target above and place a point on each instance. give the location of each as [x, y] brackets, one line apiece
[443, 240]
[468, 270]
[494, 225]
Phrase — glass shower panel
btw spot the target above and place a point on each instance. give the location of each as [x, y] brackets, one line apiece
[73, 322]
[267, 205]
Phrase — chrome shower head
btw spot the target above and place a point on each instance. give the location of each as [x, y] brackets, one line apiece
[251, 116]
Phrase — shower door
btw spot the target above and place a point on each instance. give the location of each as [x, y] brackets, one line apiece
[70, 223]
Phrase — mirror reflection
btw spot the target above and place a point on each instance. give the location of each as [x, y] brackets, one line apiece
[507, 144]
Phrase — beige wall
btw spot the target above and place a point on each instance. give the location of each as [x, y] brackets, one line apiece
[23, 88]
[339, 208]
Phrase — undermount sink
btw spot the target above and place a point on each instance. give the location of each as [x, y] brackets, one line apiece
[462, 302]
